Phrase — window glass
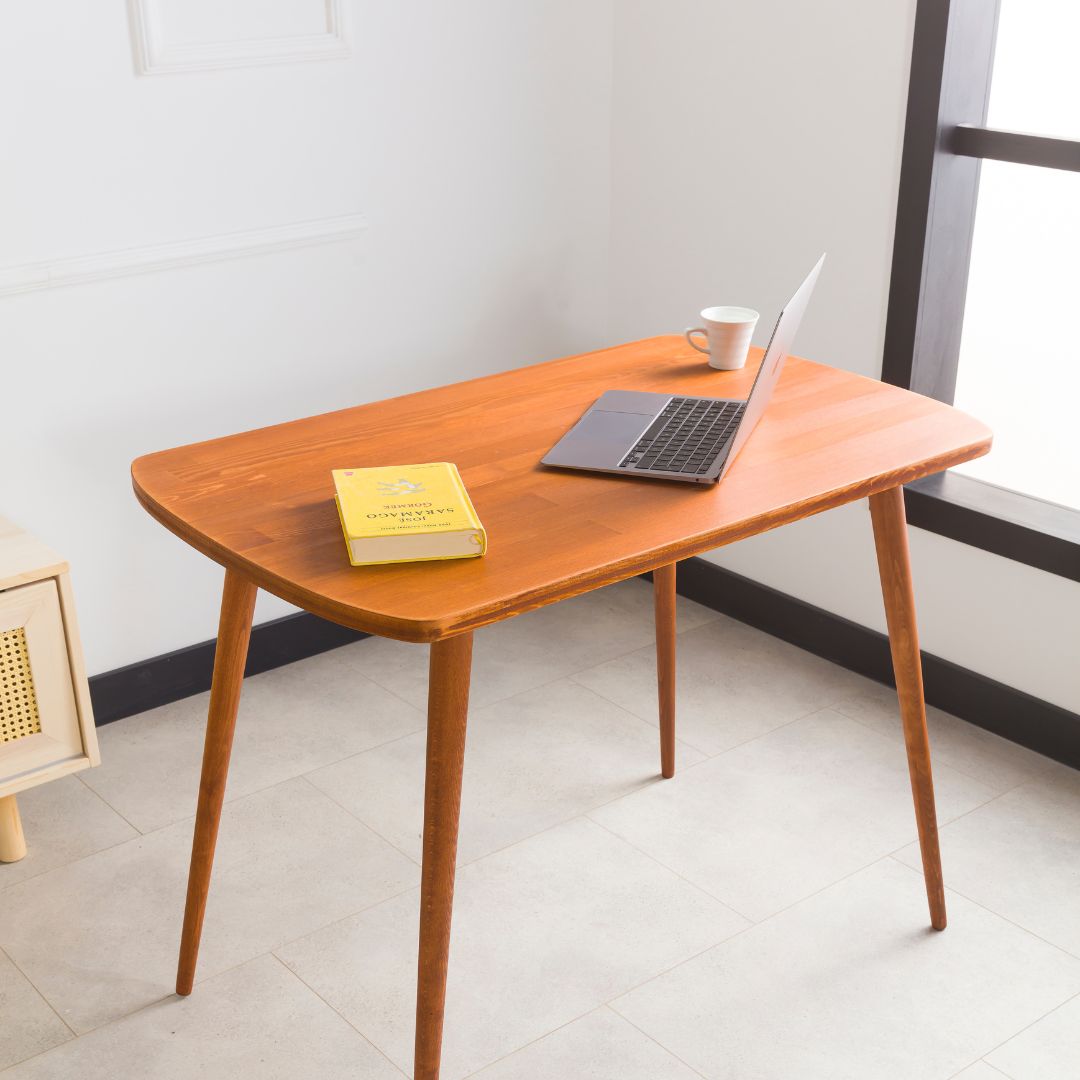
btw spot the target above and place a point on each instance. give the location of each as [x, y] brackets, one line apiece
[1019, 368]
[1036, 81]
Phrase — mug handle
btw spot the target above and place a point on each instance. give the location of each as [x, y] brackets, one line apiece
[693, 344]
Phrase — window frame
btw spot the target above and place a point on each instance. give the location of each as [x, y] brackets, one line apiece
[945, 141]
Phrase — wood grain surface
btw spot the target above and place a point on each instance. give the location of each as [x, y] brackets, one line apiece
[449, 673]
[664, 608]
[12, 839]
[261, 502]
[894, 567]
[234, 633]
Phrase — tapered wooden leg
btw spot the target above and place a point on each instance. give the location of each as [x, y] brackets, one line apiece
[448, 706]
[890, 538]
[12, 841]
[234, 630]
[664, 602]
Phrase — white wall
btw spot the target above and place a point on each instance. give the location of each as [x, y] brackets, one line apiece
[471, 138]
[522, 171]
[748, 138]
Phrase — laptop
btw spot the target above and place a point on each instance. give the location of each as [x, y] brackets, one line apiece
[669, 437]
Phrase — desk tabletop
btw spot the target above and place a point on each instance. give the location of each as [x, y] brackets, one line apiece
[261, 502]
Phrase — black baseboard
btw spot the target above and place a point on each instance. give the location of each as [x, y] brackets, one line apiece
[994, 706]
[988, 704]
[147, 684]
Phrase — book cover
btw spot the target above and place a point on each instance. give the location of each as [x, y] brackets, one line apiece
[407, 513]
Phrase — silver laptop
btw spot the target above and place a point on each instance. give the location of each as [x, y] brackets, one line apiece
[668, 437]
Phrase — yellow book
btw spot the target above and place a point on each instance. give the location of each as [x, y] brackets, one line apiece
[407, 513]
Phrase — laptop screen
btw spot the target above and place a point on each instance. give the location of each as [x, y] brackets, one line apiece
[783, 337]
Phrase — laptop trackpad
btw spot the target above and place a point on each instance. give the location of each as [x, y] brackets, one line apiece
[599, 439]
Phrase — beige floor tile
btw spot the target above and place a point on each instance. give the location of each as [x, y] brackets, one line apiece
[533, 649]
[851, 984]
[994, 761]
[1048, 1050]
[257, 1020]
[27, 1024]
[63, 821]
[292, 719]
[599, 1046]
[1020, 856]
[847, 982]
[532, 760]
[980, 1071]
[543, 932]
[99, 937]
[785, 815]
[734, 683]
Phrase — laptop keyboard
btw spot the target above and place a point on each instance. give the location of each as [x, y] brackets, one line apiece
[687, 437]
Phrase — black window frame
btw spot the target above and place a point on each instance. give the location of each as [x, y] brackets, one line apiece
[945, 141]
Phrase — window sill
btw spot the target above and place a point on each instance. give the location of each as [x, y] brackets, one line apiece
[1019, 527]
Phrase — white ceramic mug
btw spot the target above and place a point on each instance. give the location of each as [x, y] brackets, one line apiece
[728, 330]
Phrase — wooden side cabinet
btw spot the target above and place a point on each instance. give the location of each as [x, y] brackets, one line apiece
[46, 722]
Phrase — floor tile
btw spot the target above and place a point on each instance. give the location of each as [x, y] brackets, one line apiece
[734, 683]
[531, 761]
[556, 914]
[292, 719]
[99, 937]
[544, 932]
[1020, 856]
[27, 1024]
[257, 1020]
[852, 984]
[994, 761]
[1048, 1050]
[600, 1046]
[980, 1071]
[533, 649]
[63, 821]
[785, 815]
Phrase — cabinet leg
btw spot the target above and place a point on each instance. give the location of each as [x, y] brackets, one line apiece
[890, 539]
[12, 841]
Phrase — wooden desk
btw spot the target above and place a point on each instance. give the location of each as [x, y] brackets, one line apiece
[260, 503]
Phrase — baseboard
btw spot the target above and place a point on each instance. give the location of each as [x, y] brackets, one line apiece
[1004, 710]
[1008, 712]
[147, 684]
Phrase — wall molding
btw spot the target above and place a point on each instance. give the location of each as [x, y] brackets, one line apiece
[78, 269]
[1039, 725]
[154, 56]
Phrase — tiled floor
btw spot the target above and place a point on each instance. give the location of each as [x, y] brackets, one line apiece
[760, 916]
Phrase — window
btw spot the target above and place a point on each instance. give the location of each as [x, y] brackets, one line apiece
[985, 281]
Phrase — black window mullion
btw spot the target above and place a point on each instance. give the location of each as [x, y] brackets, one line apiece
[1045, 151]
[951, 65]
[945, 140]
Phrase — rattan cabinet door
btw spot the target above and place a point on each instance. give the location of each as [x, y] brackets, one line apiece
[39, 721]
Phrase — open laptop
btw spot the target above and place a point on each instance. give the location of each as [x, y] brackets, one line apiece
[668, 437]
